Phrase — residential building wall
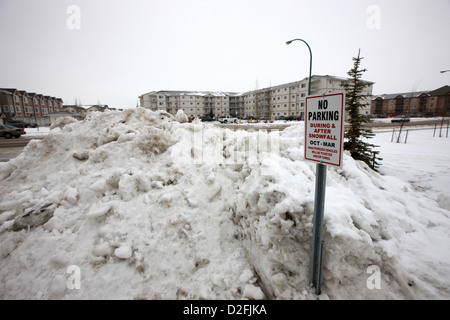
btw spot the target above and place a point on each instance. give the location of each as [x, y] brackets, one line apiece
[421, 103]
[282, 100]
[29, 106]
[6, 105]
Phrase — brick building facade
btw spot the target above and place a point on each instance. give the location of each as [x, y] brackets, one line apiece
[422, 103]
[32, 107]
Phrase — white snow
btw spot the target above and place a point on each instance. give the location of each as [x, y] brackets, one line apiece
[146, 207]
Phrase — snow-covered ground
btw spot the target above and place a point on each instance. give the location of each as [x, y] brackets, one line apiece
[137, 205]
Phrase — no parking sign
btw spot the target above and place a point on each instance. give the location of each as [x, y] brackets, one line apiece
[324, 128]
[324, 141]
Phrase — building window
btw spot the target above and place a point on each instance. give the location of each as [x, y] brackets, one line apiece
[303, 94]
[5, 108]
[303, 85]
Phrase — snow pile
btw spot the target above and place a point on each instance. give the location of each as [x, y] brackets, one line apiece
[147, 207]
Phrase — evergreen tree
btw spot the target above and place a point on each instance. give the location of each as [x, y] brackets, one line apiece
[356, 136]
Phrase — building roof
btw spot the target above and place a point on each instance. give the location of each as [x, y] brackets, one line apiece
[442, 91]
[437, 92]
[21, 92]
[4, 91]
[236, 94]
[390, 96]
[336, 78]
[12, 90]
[193, 93]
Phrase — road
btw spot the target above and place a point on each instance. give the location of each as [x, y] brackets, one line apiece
[414, 123]
[374, 125]
[11, 148]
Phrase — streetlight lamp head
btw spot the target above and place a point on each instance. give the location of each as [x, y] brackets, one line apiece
[289, 42]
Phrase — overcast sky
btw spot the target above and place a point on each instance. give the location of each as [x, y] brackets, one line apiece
[112, 51]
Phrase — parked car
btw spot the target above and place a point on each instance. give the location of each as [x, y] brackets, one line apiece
[280, 118]
[227, 119]
[9, 132]
[21, 124]
[400, 119]
[206, 118]
[264, 118]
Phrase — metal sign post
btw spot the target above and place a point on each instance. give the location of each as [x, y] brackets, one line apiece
[319, 207]
[324, 133]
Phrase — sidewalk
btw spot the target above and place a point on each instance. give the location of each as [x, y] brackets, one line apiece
[37, 132]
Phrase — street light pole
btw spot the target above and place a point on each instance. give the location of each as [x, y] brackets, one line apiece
[319, 204]
[310, 61]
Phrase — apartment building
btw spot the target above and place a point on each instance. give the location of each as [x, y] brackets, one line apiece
[281, 100]
[193, 103]
[421, 103]
[30, 106]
